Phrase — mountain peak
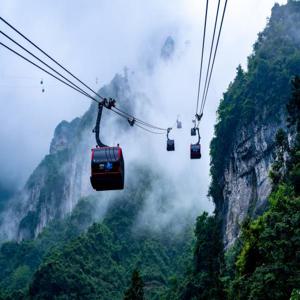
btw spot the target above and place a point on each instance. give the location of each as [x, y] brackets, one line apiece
[168, 48]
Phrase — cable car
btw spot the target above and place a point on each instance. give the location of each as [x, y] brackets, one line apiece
[107, 163]
[178, 123]
[196, 148]
[195, 151]
[170, 143]
[107, 168]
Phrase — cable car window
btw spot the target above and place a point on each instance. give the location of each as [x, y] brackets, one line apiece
[100, 155]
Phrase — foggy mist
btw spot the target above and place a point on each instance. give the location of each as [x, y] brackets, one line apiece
[98, 40]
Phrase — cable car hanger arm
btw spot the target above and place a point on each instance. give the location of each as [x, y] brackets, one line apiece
[96, 130]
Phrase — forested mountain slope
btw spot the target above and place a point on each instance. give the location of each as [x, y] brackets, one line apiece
[249, 115]
[98, 263]
[248, 249]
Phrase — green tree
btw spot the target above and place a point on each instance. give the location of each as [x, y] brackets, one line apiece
[278, 169]
[136, 288]
[268, 265]
[203, 282]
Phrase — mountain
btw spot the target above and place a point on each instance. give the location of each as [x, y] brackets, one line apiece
[5, 194]
[250, 113]
[87, 246]
[249, 248]
[57, 232]
[70, 257]
[62, 178]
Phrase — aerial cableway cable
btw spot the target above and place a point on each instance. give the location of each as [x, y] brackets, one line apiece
[49, 73]
[202, 55]
[71, 84]
[124, 114]
[52, 59]
[140, 125]
[40, 60]
[210, 55]
[140, 121]
[196, 148]
[75, 77]
[214, 57]
[148, 130]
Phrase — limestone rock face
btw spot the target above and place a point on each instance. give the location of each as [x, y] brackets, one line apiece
[252, 110]
[63, 135]
[246, 177]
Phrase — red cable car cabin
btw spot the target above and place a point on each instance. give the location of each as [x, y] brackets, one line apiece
[195, 151]
[107, 168]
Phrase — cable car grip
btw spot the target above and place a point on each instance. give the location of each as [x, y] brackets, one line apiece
[199, 117]
[168, 131]
[131, 121]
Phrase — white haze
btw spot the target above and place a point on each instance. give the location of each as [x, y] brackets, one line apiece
[100, 38]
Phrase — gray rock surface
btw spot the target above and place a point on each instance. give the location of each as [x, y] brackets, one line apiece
[246, 177]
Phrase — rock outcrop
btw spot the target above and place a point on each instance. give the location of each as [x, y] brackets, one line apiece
[249, 116]
[246, 177]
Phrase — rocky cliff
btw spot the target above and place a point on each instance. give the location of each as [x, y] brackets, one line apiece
[249, 115]
[246, 177]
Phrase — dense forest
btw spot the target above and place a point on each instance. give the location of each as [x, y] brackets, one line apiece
[81, 257]
[74, 260]
[264, 261]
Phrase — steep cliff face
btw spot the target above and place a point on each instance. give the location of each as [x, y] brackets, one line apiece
[249, 115]
[246, 176]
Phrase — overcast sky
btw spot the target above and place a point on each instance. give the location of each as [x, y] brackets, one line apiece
[97, 39]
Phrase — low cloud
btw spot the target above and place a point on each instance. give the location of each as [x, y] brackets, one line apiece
[96, 41]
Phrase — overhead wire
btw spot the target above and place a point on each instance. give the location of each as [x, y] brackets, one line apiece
[40, 60]
[50, 57]
[75, 87]
[148, 130]
[210, 55]
[202, 55]
[49, 73]
[215, 54]
[120, 113]
[140, 121]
